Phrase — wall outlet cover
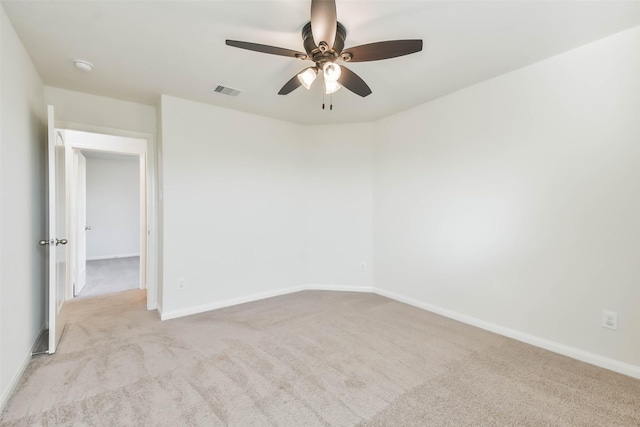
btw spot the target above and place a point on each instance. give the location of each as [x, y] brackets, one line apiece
[610, 320]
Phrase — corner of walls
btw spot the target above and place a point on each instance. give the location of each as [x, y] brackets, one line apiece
[159, 218]
[252, 210]
[233, 205]
[12, 383]
[339, 205]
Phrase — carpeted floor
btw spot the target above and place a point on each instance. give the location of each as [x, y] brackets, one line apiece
[106, 276]
[306, 359]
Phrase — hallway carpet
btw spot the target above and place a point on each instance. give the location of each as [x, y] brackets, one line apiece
[310, 358]
[105, 276]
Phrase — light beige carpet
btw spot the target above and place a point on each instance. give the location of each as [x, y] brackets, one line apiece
[107, 276]
[306, 359]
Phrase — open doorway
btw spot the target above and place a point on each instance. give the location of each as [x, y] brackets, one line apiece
[108, 223]
[108, 213]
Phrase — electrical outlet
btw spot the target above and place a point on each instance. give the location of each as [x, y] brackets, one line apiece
[363, 266]
[610, 320]
[181, 283]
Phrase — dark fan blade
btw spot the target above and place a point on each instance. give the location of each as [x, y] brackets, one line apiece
[383, 50]
[353, 82]
[290, 86]
[266, 49]
[324, 21]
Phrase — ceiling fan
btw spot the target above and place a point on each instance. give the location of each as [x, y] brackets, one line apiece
[323, 39]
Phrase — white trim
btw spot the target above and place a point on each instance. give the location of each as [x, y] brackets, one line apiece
[574, 353]
[340, 288]
[99, 257]
[174, 314]
[146, 148]
[81, 127]
[159, 311]
[106, 143]
[17, 376]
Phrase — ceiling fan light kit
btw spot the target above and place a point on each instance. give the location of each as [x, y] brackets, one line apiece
[331, 87]
[331, 71]
[323, 40]
[307, 77]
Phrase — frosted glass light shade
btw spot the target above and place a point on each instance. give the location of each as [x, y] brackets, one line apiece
[331, 71]
[331, 87]
[307, 77]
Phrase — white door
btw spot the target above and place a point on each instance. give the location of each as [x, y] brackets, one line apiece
[81, 224]
[57, 232]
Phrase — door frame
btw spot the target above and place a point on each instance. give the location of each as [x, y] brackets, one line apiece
[79, 212]
[145, 149]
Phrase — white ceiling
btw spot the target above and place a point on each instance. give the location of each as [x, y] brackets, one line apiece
[144, 48]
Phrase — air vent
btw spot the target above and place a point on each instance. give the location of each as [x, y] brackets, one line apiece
[227, 90]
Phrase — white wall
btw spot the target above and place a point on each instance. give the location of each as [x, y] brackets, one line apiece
[234, 205]
[77, 108]
[22, 210]
[254, 206]
[113, 207]
[339, 210]
[516, 202]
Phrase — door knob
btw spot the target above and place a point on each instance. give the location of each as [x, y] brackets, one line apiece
[43, 242]
[87, 227]
[61, 242]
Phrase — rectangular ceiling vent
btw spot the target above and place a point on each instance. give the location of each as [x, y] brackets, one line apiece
[227, 90]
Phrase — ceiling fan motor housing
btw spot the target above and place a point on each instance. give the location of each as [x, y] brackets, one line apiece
[314, 51]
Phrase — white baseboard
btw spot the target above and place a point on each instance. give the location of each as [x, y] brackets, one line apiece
[340, 288]
[99, 257]
[8, 391]
[574, 353]
[174, 314]
[159, 310]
